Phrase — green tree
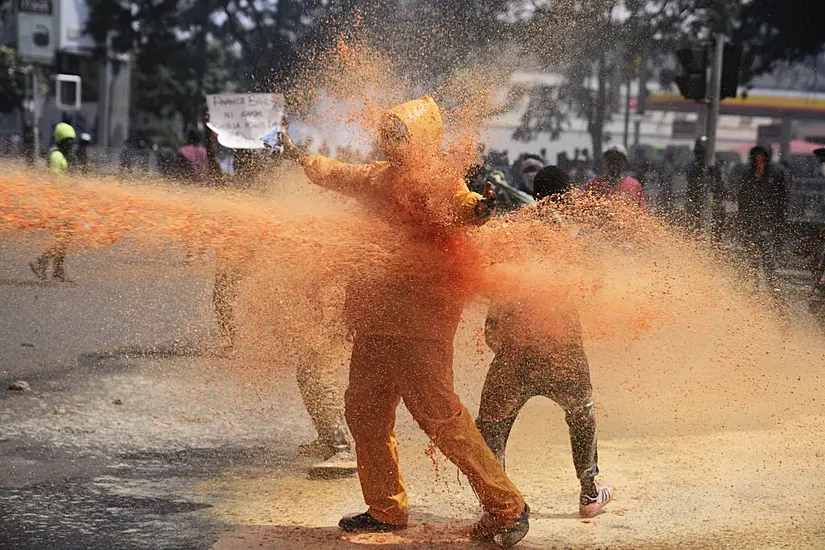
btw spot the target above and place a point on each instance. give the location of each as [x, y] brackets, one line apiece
[184, 49]
[778, 30]
[12, 81]
[596, 46]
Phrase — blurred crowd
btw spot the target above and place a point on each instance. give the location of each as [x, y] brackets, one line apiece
[766, 213]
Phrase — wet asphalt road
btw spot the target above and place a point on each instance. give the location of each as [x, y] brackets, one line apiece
[86, 458]
[133, 434]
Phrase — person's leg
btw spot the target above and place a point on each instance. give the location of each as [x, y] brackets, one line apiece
[570, 387]
[567, 382]
[57, 252]
[320, 386]
[58, 255]
[224, 293]
[371, 400]
[39, 266]
[768, 251]
[502, 397]
[425, 377]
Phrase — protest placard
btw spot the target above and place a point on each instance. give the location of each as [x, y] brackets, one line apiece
[241, 120]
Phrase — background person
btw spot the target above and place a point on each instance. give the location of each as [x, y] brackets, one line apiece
[59, 162]
[762, 201]
[614, 183]
[549, 363]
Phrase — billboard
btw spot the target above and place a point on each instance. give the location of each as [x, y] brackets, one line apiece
[36, 42]
[72, 15]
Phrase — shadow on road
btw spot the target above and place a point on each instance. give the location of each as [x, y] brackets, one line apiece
[300, 537]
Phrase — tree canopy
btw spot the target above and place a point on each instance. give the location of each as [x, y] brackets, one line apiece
[12, 81]
[778, 30]
[184, 49]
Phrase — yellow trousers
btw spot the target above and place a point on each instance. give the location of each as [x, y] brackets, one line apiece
[383, 371]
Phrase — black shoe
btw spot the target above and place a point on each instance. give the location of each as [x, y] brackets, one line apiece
[365, 523]
[504, 535]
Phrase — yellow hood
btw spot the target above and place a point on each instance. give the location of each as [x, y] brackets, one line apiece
[422, 120]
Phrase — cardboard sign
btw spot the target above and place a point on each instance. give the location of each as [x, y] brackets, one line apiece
[241, 121]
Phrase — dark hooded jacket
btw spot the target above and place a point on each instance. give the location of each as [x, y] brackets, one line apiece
[762, 201]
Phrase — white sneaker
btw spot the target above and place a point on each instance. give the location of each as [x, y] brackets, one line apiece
[590, 506]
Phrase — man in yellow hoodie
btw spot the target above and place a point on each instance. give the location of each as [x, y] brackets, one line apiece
[404, 316]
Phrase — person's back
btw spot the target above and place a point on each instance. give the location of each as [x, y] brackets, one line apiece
[539, 351]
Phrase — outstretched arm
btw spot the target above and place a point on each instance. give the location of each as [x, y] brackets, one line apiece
[350, 179]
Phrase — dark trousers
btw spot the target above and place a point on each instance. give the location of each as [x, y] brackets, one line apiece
[761, 249]
[563, 375]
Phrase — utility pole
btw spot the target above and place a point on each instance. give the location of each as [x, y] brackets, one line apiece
[715, 98]
[627, 115]
[641, 100]
[37, 110]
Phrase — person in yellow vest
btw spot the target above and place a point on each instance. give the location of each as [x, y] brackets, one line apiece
[58, 163]
[59, 154]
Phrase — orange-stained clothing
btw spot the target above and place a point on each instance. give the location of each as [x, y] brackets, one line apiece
[386, 369]
[405, 314]
[422, 289]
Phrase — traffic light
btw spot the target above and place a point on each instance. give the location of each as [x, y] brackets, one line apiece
[693, 82]
[731, 62]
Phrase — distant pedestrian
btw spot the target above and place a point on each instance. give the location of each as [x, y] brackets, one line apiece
[762, 199]
[614, 183]
[193, 162]
[58, 163]
[82, 153]
[529, 166]
[705, 191]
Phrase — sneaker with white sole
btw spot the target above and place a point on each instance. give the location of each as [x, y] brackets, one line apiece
[341, 464]
[590, 506]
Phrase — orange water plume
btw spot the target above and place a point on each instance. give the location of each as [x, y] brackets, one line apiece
[297, 249]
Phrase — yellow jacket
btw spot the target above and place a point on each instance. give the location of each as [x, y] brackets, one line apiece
[422, 292]
[57, 162]
[415, 193]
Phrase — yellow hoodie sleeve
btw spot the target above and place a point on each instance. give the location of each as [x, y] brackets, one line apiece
[350, 179]
[464, 203]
